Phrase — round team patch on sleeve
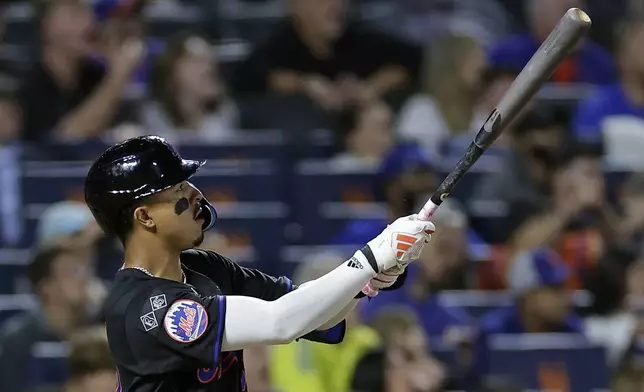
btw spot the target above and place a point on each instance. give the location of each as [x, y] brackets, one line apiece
[185, 321]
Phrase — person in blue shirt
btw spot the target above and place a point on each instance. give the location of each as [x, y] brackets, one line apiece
[589, 64]
[614, 115]
[542, 304]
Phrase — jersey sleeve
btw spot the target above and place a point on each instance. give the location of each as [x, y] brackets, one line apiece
[173, 328]
[333, 335]
[244, 281]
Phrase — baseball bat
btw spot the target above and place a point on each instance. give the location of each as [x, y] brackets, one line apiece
[570, 29]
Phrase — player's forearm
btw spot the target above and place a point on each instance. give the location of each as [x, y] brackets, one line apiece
[340, 316]
[251, 321]
[335, 320]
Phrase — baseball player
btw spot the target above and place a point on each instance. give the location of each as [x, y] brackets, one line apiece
[177, 317]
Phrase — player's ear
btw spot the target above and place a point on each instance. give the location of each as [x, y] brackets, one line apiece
[142, 217]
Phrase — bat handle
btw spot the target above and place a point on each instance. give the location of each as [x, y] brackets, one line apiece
[427, 211]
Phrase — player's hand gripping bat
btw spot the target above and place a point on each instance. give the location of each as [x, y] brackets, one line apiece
[570, 29]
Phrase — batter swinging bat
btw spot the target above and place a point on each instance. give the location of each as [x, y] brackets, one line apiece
[570, 29]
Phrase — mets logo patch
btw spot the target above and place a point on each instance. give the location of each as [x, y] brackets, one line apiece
[185, 321]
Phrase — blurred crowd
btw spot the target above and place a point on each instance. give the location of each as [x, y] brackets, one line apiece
[324, 120]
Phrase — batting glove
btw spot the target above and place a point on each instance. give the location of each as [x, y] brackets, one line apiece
[392, 250]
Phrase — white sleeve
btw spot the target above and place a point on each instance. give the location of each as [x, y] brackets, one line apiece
[340, 316]
[251, 321]
[333, 321]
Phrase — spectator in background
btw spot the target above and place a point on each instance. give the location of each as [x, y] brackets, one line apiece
[443, 266]
[404, 363]
[631, 200]
[369, 136]
[542, 304]
[495, 82]
[576, 219]
[446, 108]
[630, 373]
[190, 100]
[59, 280]
[70, 225]
[9, 118]
[256, 369]
[67, 96]
[124, 18]
[423, 22]
[90, 363]
[10, 152]
[311, 367]
[320, 54]
[614, 115]
[589, 64]
[611, 323]
[525, 182]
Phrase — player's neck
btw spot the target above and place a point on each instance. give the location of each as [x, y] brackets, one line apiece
[156, 259]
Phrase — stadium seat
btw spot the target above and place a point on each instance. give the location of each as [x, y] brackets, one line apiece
[13, 264]
[14, 304]
[549, 362]
[48, 365]
[327, 197]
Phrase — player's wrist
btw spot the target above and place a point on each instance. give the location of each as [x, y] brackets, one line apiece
[366, 257]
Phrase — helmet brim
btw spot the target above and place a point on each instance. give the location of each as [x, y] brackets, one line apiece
[190, 167]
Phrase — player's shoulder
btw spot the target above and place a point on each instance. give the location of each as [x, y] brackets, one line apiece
[201, 255]
[204, 261]
[132, 289]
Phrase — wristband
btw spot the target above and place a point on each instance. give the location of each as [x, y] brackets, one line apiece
[368, 254]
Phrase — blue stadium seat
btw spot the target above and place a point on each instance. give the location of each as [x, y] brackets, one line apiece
[254, 144]
[12, 305]
[327, 197]
[293, 256]
[47, 182]
[256, 226]
[13, 264]
[492, 161]
[48, 365]
[10, 275]
[244, 180]
[478, 303]
[224, 182]
[535, 361]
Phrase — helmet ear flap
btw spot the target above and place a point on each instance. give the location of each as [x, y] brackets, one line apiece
[209, 213]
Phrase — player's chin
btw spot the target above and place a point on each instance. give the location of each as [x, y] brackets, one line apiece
[199, 240]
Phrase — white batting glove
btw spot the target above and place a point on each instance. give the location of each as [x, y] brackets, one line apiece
[392, 250]
[383, 280]
[387, 278]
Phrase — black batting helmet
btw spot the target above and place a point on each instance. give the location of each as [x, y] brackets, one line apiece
[131, 170]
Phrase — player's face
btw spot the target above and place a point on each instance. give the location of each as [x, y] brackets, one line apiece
[177, 216]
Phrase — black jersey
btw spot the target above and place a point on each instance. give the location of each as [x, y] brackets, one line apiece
[166, 336]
